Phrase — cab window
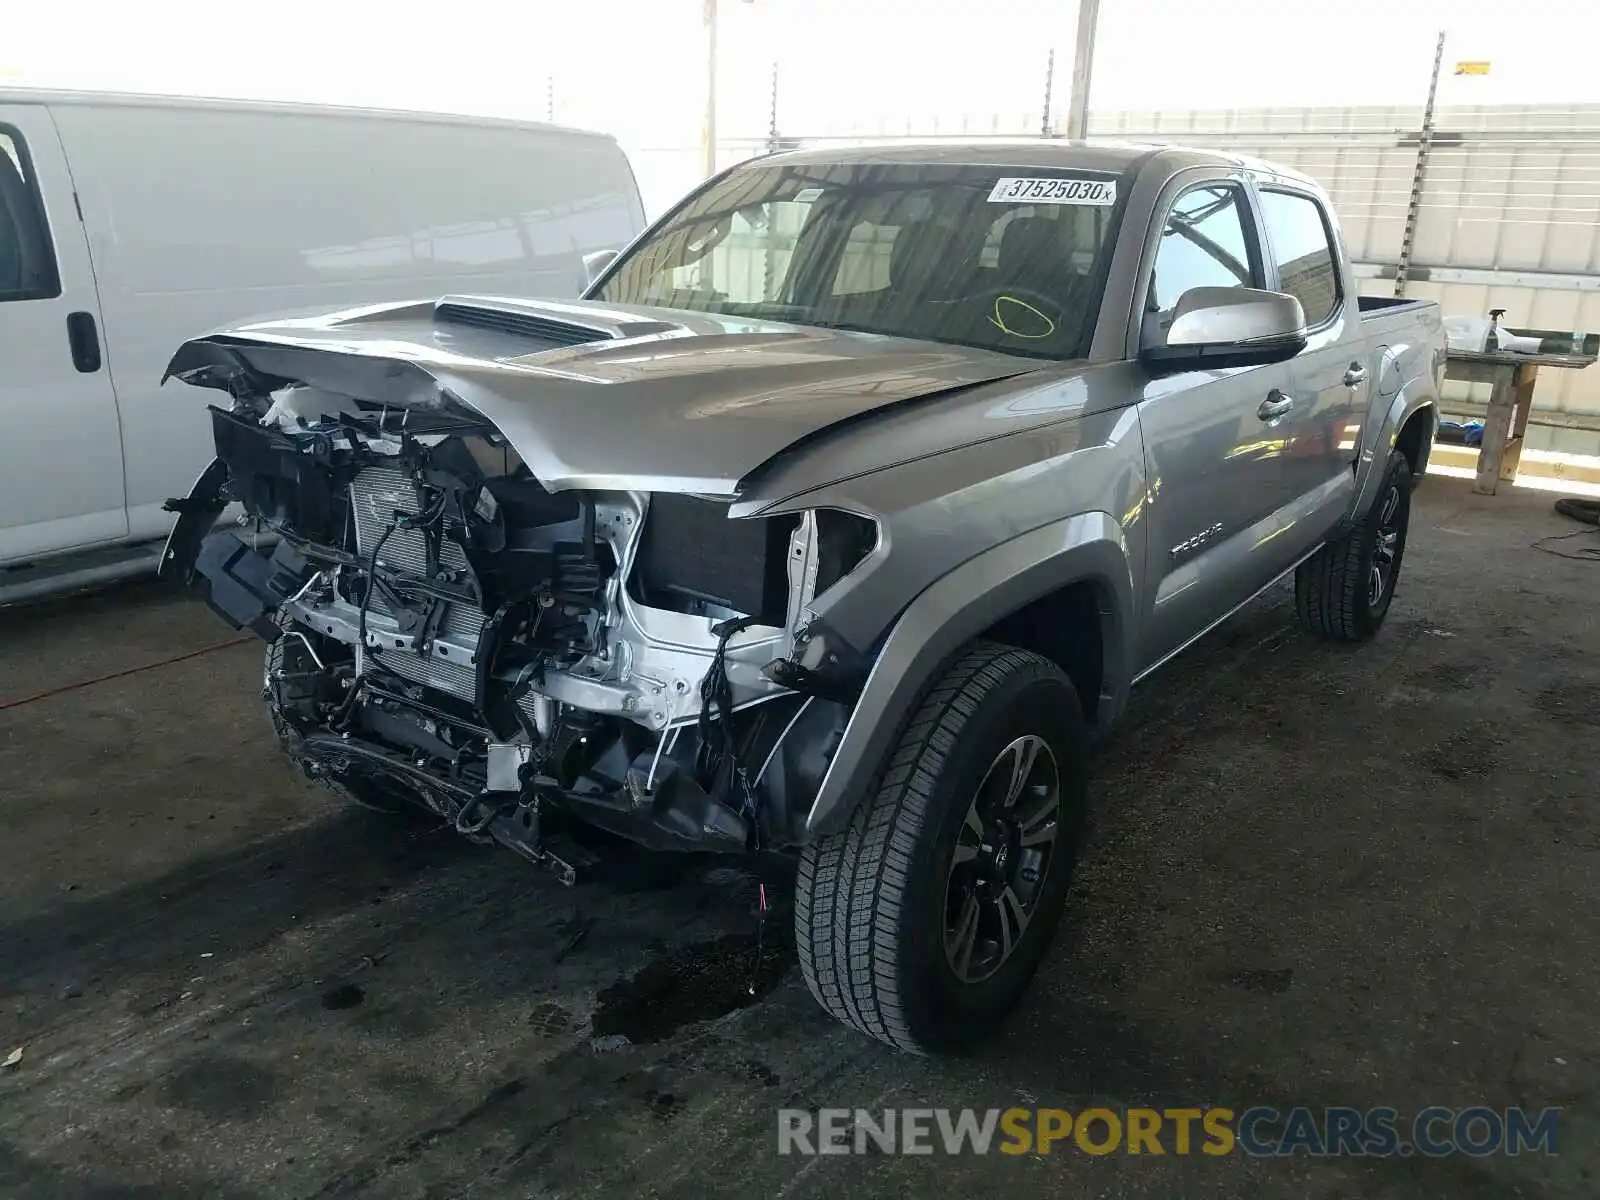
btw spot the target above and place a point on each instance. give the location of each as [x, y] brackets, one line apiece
[1302, 247]
[1204, 243]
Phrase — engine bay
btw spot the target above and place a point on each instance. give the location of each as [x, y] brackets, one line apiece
[444, 628]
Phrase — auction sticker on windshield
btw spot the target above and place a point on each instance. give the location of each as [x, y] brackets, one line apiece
[1053, 191]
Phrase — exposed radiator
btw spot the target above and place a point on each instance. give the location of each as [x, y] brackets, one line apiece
[376, 494]
[437, 673]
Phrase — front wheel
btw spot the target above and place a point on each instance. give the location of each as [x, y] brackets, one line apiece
[287, 668]
[1344, 591]
[923, 922]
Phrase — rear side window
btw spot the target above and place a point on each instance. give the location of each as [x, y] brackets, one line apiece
[1303, 249]
[1205, 243]
[27, 262]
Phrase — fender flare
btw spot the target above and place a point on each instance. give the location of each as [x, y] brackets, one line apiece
[958, 607]
[1407, 403]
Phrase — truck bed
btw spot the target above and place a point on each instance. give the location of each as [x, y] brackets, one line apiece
[1385, 318]
[1383, 306]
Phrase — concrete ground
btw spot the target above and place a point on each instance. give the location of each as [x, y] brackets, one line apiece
[1316, 875]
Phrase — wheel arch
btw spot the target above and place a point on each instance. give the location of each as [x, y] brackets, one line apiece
[1415, 439]
[1409, 424]
[1081, 561]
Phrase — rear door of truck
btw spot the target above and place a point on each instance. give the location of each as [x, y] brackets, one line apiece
[1333, 377]
[60, 443]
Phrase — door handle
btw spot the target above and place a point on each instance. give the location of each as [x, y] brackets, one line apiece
[1355, 376]
[84, 340]
[1275, 405]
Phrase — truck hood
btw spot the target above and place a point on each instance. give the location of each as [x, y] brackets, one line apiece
[598, 395]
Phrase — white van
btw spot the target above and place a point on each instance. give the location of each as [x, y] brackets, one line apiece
[131, 223]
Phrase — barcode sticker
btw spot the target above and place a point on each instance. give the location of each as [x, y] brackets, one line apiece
[1053, 191]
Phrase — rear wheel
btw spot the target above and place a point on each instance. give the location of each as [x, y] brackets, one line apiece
[923, 922]
[1344, 591]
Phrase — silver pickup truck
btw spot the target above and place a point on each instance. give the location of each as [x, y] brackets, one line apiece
[837, 520]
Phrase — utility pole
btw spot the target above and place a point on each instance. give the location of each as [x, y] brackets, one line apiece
[1049, 88]
[1082, 67]
[708, 127]
[1418, 175]
[772, 113]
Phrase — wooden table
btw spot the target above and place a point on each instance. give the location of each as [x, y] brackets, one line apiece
[1513, 377]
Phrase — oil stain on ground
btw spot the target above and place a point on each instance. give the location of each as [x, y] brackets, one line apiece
[1450, 676]
[223, 1087]
[345, 995]
[693, 983]
[1273, 982]
[1472, 752]
[1572, 703]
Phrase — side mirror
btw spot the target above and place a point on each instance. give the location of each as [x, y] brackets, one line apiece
[594, 266]
[1216, 327]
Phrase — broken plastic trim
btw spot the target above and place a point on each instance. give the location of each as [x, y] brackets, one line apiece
[198, 513]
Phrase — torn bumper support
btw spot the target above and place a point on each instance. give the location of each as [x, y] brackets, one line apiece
[242, 585]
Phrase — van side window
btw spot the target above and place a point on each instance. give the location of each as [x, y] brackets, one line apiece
[27, 262]
[1205, 243]
[1302, 246]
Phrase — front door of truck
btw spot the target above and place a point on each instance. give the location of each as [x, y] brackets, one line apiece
[1214, 441]
[61, 483]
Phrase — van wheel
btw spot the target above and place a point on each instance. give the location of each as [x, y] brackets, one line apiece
[922, 922]
[1344, 591]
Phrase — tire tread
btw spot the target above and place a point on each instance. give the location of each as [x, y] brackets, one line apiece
[1330, 587]
[851, 885]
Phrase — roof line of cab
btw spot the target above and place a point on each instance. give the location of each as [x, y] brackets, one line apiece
[1041, 153]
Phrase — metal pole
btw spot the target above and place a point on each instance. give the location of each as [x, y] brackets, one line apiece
[1049, 86]
[1419, 174]
[769, 264]
[772, 113]
[549, 97]
[1082, 67]
[708, 128]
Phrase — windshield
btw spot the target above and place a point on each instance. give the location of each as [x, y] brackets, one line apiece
[1008, 259]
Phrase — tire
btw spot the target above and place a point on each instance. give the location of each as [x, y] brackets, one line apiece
[1343, 593]
[881, 906]
[1587, 511]
[354, 789]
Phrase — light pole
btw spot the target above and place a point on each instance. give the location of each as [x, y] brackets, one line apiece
[1082, 67]
[708, 125]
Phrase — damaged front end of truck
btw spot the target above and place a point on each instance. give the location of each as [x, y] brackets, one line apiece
[447, 630]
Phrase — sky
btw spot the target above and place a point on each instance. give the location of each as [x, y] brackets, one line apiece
[637, 67]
